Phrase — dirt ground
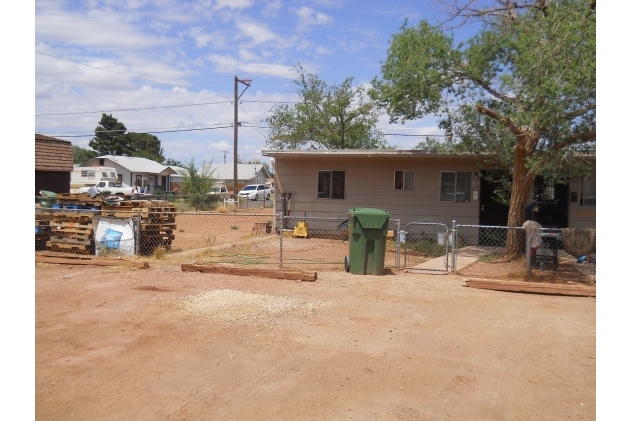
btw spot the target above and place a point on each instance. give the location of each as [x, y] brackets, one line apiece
[161, 344]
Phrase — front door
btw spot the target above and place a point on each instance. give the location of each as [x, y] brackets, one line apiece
[552, 206]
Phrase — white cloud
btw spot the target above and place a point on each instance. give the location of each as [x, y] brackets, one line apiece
[94, 30]
[247, 55]
[308, 16]
[259, 33]
[228, 64]
[233, 4]
[272, 8]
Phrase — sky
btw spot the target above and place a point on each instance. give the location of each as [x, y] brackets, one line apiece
[113, 56]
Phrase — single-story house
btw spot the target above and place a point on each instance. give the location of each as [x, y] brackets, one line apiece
[246, 174]
[53, 164]
[415, 185]
[136, 171]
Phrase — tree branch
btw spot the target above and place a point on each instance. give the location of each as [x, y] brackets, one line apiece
[500, 118]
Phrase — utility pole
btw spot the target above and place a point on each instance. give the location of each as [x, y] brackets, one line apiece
[246, 82]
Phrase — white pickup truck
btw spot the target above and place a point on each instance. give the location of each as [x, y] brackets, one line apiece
[222, 192]
[121, 189]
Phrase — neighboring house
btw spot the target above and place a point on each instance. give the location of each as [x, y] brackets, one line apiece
[246, 174]
[53, 164]
[135, 171]
[178, 178]
[414, 185]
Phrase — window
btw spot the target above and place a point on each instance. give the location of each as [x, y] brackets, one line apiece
[331, 184]
[588, 191]
[259, 180]
[101, 161]
[404, 180]
[455, 186]
[87, 174]
[114, 175]
[104, 174]
[120, 178]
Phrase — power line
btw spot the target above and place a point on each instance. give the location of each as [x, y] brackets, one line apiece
[119, 73]
[135, 109]
[148, 131]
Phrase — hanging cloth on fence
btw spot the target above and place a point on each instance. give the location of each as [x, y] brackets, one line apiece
[532, 230]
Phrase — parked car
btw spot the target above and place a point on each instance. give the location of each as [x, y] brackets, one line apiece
[115, 188]
[221, 191]
[255, 192]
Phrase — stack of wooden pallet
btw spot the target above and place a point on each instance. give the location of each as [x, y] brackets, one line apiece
[157, 221]
[71, 232]
[67, 226]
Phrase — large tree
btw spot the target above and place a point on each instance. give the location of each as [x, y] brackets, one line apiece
[523, 87]
[109, 137]
[146, 145]
[81, 155]
[326, 117]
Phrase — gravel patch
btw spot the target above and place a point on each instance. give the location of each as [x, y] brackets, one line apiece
[238, 306]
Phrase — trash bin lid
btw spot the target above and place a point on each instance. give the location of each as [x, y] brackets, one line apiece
[369, 217]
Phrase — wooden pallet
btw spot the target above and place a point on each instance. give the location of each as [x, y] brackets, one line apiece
[78, 197]
[69, 216]
[60, 240]
[157, 227]
[86, 235]
[70, 248]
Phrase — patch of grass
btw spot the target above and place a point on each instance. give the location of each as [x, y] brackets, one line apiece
[160, 253]
[234, 227]
[210, 240]
[425, 247]
[490, 257]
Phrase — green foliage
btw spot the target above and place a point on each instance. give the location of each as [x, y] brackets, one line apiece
[81, 155]
[525, 86]
[196, 182]
[327, 117]
[109, 137]
[146, 145]
[170, 162]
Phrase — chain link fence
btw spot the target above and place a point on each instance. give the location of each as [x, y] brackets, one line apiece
[309, 242]
[426, 246]
[158, 229]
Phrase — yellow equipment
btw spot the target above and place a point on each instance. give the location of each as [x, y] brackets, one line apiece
[301, 230]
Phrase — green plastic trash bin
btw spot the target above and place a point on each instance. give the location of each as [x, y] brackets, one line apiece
[367, 230]
[47, 199]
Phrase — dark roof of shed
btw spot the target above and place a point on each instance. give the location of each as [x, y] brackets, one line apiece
[52, 154]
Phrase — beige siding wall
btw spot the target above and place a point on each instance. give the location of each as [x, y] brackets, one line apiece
[580, 216]
[370, 183]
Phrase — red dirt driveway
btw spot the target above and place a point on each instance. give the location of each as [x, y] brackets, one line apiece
[159, 344]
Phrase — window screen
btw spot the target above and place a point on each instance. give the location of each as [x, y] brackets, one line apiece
[331, 184]
[455, 186]
[588, 192]
[404, 180]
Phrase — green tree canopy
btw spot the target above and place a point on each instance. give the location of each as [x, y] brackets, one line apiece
[327, 117]
[81, 155]
[198, 180]
[146, 145]
[525, 84]
[109, 137]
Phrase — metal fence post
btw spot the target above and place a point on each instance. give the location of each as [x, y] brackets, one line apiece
[528, 263]
[137, 221]
[397, 246]
[454, 234]
[282, 234]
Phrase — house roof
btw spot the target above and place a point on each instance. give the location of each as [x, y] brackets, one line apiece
[368, 153]
[226, 171]
[52, 154]
[135, 164]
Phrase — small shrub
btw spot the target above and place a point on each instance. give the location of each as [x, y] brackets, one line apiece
[160, 253]
[210, 240]
[222, 209]
[234, 227]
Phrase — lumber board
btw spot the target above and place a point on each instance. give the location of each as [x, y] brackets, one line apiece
[94, 261]
[55, 239]
[533, 287]
[267, 273]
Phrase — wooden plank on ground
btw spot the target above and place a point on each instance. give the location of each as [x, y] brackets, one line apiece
[533, 287]
[267, 273]
[94, 261]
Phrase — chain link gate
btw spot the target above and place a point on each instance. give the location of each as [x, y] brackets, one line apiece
[473, 242]
[426, 246]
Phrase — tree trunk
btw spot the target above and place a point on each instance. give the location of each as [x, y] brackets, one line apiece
[521, 185]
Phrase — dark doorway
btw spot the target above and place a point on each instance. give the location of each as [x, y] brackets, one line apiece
[552, 207]
[492, 213]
